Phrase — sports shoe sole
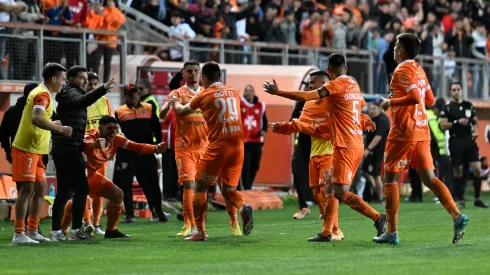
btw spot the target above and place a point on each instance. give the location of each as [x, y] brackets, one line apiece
[247, 217]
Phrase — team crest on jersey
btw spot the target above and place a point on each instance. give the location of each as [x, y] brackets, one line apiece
[257, 111]
[468, 113]
[244, 110]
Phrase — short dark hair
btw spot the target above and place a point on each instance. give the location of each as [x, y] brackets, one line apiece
[456, 83]
[411, 44]
[440, 103]
[316, 73]
[52, 69]
[29, 87]
[130, 88]
[116, 3]
[92, 76]
[211, 71]
[75, 70]
[191, 63]
[145, 82]
[336, 60]
[107, 119]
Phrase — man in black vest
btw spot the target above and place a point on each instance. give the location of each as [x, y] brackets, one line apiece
[69, 161]
[459, 117]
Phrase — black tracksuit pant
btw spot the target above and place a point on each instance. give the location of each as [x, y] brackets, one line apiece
[301, 176]
[71, 177]
[170, 175]
[144, 167]
[251, 163]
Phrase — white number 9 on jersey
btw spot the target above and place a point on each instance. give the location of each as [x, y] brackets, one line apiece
[226, 106]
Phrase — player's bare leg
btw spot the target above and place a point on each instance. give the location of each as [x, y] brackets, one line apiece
[337, 192]
[392, 194]
[233, 213]
[40, 188]
[477, 172]
[25, 192]
[115, 196]
[188, 209]
[442, 192]
[200, 205]
[97, 208]
[236, 199]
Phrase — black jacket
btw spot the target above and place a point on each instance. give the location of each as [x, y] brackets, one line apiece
[301, 139]
[10, 125]
[72, 111]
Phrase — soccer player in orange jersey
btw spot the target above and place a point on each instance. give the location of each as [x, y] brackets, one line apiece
[100, 145]
[345, 100]
[190, 140]
[223, 158]
[409, 138]
[314, 113]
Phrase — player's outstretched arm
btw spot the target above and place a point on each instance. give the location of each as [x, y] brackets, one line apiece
[273, 89]
[283, 128]
[164, 110]
[367, 124]
[319, 131]
[144, 148]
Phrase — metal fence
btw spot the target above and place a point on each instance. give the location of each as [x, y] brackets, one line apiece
[30, 46]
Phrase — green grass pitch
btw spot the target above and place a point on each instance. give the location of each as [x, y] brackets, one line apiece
[277, 246]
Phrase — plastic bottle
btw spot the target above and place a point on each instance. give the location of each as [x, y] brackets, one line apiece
[51, 190]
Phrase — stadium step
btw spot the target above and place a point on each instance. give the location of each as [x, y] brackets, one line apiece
[259, 200]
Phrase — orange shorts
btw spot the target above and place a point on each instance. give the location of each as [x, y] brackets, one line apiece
[186, 165]
[27, 167]
[345, 164]
[97, 183]
[400, 154]
[320, 170]
[221, 161]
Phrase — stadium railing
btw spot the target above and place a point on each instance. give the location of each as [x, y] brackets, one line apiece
[30, 46]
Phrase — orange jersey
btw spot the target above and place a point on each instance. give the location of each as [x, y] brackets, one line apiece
[220, 106]
[96, 158]
[410, 122]
[346, 101]
[191, 131]
[316, 112]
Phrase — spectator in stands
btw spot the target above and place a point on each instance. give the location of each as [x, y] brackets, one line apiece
[288, 28]
[181, 29]
[270, 31]
[459, 38]
[58, 13]
[23, 51]
[226, 25]
[328, 32]
[384, 18]
[340, 21]
[479, 51]
[383, 46]
[450, 65]
[255, 126]
[311, 34]
[6, 8]
[79, 11]
[204, 17]
[441, 8]
[113, 20]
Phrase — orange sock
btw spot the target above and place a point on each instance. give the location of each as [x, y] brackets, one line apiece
[32, 224]
[235, 198]
[392, 193]
[87, 213]
[200, 205]
[188, 208]
[113, 213]
[320, 197]
[232, 211]
[65, 223]
[336, 226]
[19, 226]
[358, 204]
[441, 191]
[331, 215]
[97, 208]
